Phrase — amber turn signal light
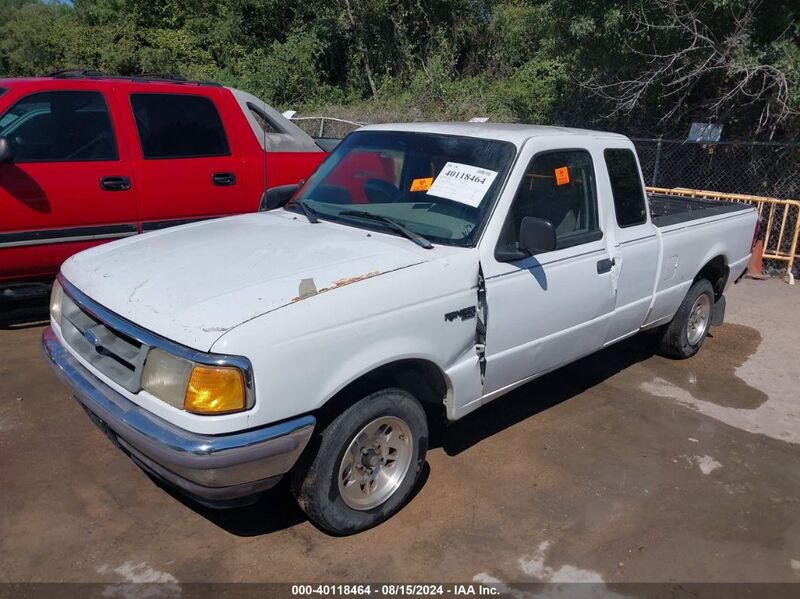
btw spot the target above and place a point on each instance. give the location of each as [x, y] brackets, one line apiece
[215, 390]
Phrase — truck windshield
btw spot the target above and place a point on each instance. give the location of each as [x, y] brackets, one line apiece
[438, 186]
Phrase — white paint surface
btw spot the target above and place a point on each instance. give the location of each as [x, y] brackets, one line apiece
[706, 463]
[140, 581]
[141, 572]
[534, 566]
[559, 579]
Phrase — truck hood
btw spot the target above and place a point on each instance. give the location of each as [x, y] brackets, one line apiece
[193, 283]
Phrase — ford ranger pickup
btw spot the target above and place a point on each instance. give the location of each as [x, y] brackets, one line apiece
[318, 339]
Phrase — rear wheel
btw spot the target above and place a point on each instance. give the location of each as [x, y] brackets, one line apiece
[367, 463]
[683, 337]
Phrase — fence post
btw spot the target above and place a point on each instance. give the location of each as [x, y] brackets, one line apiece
[657, 164]
[321, 126]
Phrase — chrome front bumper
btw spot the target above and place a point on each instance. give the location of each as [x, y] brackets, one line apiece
[213, 468]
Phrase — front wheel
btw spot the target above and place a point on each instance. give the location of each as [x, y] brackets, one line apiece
[367, 463]
[683, 337]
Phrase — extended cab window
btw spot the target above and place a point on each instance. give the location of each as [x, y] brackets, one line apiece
[62, 126]
[558, 187]
[626, 187]
[178, 126]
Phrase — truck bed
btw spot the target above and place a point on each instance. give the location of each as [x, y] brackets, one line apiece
[666, 210]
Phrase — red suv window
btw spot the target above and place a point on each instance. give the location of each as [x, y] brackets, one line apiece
[62, 126]
[178, 126]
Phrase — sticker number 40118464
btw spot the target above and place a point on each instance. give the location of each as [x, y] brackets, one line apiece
[462, 183]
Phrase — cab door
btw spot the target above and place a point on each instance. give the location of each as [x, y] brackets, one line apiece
[547, 310]
[635, 245]
[187, 166]
[68, 184]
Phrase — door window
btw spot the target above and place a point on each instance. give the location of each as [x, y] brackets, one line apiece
[626, 187]
[558, 187]
[62, 126]
[178, 126]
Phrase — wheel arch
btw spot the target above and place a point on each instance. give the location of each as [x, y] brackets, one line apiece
[421, 377]
[716, 271]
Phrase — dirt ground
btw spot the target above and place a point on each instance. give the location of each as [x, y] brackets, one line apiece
[622, 467]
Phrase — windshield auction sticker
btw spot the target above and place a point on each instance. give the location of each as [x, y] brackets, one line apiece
[462, 183]
[422, 184]
[562, 175]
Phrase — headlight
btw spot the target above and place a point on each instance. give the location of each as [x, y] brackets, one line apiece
[56, 299]
[194, 387]
[166, 376]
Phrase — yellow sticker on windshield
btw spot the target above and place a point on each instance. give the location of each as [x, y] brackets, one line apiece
[421, 184]
[562, 175]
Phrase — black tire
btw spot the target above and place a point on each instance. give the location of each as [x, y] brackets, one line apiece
[315, 481]
[674, 338]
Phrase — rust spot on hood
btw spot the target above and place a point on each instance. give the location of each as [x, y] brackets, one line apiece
[356, 279]
[336, 284]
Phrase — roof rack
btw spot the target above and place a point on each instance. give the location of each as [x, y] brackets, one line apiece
[75, 73]
[141, 78]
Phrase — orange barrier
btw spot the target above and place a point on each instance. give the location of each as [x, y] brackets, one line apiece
[780, 219]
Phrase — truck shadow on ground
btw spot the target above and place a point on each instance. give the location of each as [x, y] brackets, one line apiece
[275, 510]
[711, 374]
[543, 393]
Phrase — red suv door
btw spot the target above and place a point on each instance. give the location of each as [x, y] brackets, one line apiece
[68, 184]
[188, 165]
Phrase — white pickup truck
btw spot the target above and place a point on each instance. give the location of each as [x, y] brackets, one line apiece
[422, 271]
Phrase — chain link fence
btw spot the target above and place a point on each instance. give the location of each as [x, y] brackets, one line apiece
[745, 168]
[761, 169]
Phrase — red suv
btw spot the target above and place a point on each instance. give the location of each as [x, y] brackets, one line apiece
[86, 158]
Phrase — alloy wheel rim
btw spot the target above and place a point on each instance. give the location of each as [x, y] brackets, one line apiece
[375, 463]
[698, 319]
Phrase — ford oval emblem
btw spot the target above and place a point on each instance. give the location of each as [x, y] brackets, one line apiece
[92, 338]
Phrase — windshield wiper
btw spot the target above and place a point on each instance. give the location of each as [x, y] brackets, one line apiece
[310, 213]
[400, 228]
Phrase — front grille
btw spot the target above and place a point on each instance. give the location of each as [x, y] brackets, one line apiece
[113, 353]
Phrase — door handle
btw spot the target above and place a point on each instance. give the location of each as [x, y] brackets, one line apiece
[223, 179]
[115, 183]
[604, 265]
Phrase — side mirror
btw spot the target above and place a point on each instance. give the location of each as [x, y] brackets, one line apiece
[276, 197]
[5, 151]
[536, 235]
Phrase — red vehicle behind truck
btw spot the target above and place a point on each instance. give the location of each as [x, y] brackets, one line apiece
[87, 158]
